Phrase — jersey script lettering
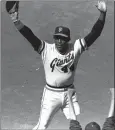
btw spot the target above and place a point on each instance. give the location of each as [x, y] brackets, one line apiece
[56, 62]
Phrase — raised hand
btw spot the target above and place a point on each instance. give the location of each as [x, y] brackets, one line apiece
[101, 6]
[12, 8]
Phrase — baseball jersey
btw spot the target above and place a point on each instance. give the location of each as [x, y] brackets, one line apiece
[60, 69]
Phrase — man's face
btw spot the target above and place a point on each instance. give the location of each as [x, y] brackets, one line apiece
[60, 42]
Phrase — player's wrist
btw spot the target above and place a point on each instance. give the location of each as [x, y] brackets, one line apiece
[19, 25]
[14, 16]
[102, 16]
[103, 11]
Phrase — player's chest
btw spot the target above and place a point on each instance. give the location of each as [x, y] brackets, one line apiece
[59, 62]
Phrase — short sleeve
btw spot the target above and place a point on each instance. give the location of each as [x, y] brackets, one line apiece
[43, 50]
[80, 46]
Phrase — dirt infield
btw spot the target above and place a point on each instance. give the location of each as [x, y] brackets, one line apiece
[22, 74]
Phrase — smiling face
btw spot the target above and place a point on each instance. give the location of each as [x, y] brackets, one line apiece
[61, 43]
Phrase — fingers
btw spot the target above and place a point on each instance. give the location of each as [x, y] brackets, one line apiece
[97, 5]
[101, 6]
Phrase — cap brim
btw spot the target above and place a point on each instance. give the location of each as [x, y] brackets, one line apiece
[60, 34]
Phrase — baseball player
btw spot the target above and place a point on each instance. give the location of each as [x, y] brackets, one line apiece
[60, 62]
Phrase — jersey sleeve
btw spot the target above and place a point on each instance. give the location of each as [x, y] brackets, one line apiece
[80, 46]
[43, 50]
[42, 47]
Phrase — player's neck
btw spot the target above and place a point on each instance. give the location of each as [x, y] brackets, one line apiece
[63, 50]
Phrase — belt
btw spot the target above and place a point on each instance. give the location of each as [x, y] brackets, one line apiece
[59, 89]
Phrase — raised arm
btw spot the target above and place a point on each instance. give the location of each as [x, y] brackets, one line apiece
[12, 8]
[98, 26]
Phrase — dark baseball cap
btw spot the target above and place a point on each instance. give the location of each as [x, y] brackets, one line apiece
[62, 31]
[92, 126]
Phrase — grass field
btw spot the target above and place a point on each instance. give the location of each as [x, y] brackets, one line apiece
[22, 74]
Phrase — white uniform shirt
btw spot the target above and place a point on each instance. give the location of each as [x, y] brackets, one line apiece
[60, 69]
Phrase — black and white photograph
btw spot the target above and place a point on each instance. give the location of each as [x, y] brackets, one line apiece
[57, 65]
